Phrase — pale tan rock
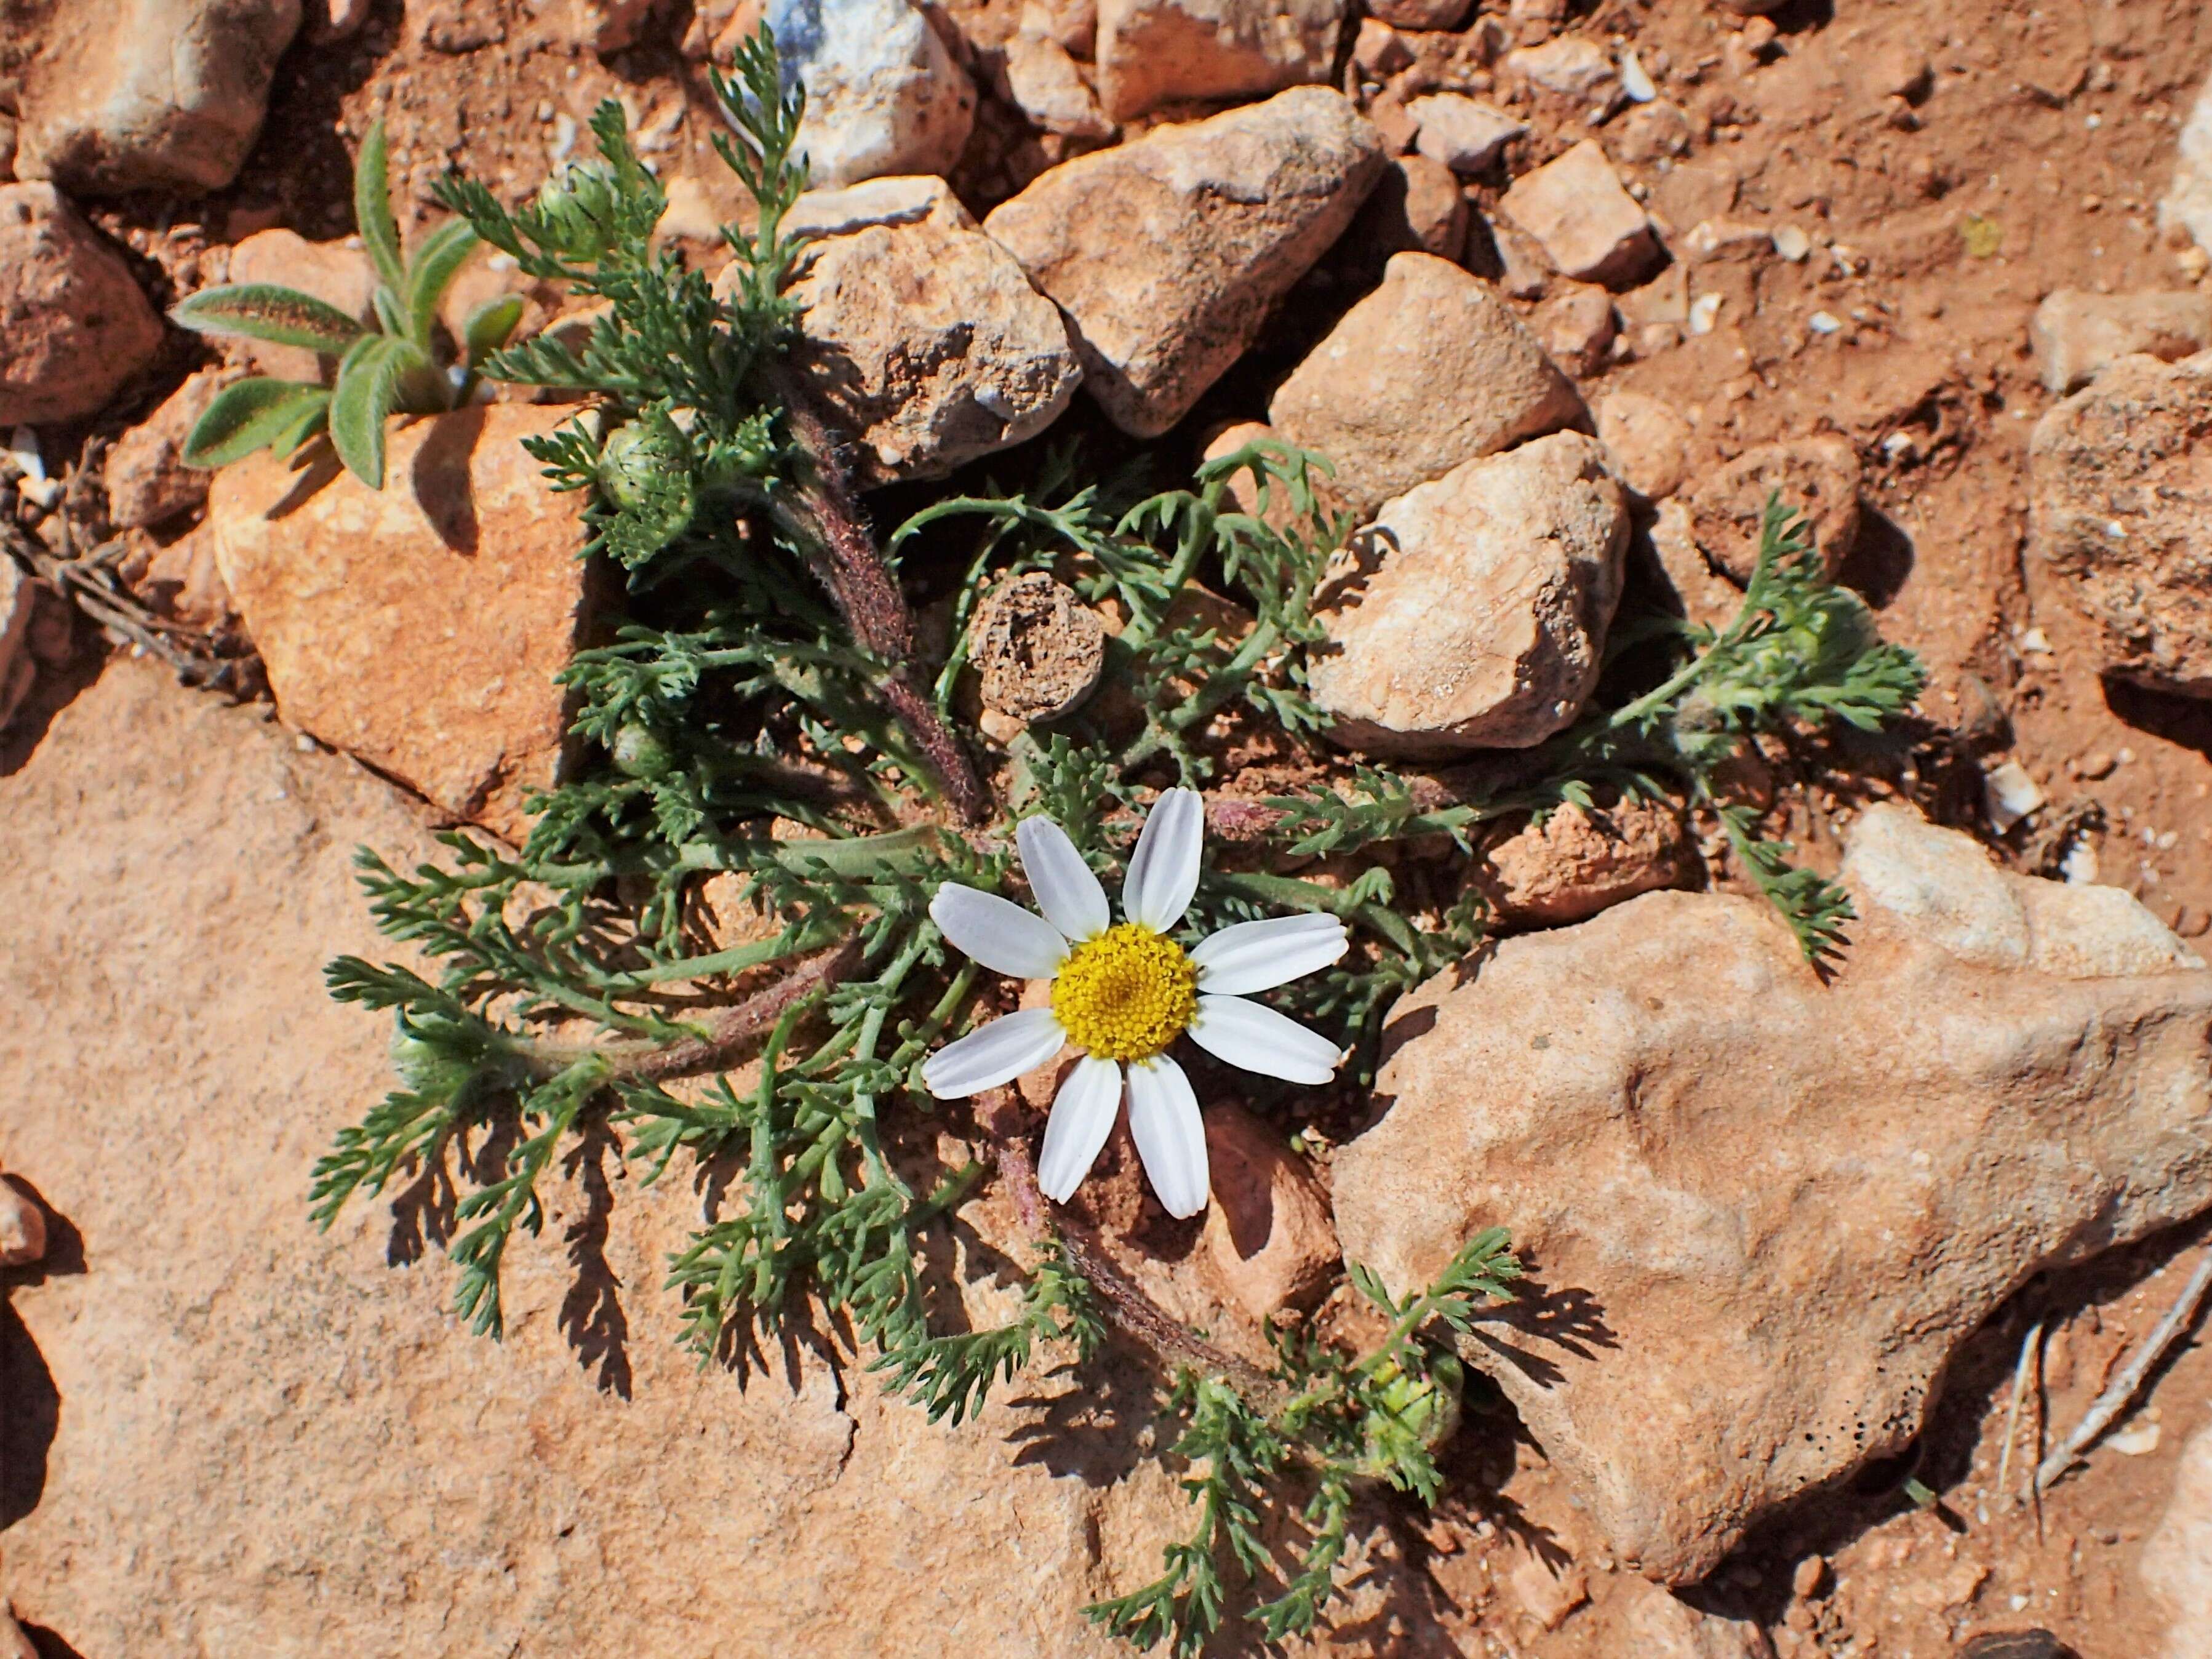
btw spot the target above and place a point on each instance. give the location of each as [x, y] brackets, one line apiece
[1158, 52]
[2075, 332]
[1650, 132]
[148, 482]
[1268, 1237]
[1648, 441]
[15, 1643]
[1711, 241]
[22, 1227]
[1038, 649]
[336, 273]
[1590, 227]
[1042, 82]
[150, 94]
[1706, 597]
[883, 92]
[1818, 475]
[1167, 252]
[74, 325]
[298, 1441]
[418, 628]
[1582, 860]
[895, 199]
[1720, 1163]
[1575, 324]
[1465, 134]
[601, 26]
[1546, 1594]
[1476, 612]
[2119, 498]
[1416, 207]
[1666, 1627]
[1569, 66]
[1429, 370]
[2187, 204]
[1379, 50]
[926, 344]
[2176, 1563]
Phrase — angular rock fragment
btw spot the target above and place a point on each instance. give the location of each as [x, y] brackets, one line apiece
[1476, 614]
[1591, 227]
[925, 344]
[1151, 53]
[1042, 82]
[1650, 442]
[1429, 370]
[1582, 860]
[1716, 1165]
[74, 325]
[1575, 326]
[894, 199]
[1268, 1238]
[419, 628]
[1038, 648]
[148, 482]
[1166, 253]
[2187, 202]
[2120, 513]
[1416, 208]
[1569, 66]
[882, 94]
[2075, 332]
[150, 95]
[1818, 475]
[1464, 133]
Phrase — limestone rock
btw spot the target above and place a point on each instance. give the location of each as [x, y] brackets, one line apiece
[1476, 616]
[927, 345]
[2188, 199]
[1716, 1165]
[1464, 133]
[333, 272]
[1415, 207]
[419, 628]
[1167, 252]
[1429, 370]
[882, 94]
[2176, 1563]
[1042, 82]
[1648, 441]
[148, 482]
[894, 199]
[2120, 513]
[150, 95]
[1269, 1241]
[1568, 66]
[1575, 324]
[296, 1440]
[1038, 648]
[2075, 333]
[1818, 475]
[73, 323]
[603, 26]
[1590, 227]
[1582, 860]
[1157, 52]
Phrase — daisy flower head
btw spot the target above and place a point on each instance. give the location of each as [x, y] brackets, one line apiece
[1123, 992]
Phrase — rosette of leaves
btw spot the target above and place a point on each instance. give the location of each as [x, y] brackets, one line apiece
[389, 366]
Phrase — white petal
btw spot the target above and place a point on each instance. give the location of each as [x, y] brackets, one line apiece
[1171, 1136]
[998, 932]
[1067, 892]
[1163, 870]
[1258, 956]
[1083, 1115]
[1257, 1038]
[993, 1054]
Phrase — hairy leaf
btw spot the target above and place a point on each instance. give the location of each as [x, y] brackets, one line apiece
[488, 326]
[367, 384]
[265, 310]
[251, 415]
[436, 263]
[372, 209]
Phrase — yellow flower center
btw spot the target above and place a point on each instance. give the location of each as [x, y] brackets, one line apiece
[1126, 994]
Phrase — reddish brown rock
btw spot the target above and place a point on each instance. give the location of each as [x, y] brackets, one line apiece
[1157, 52]
[1648, 441]
[1463, 133]
[1818, 475]
[1416, 208]
[1269, 1241]
[1167, 252]
[1575, 324]
[1590, 227]
[74, 325]
[1429, 371]
[1582, 860]
[148, 482]
[420, 628]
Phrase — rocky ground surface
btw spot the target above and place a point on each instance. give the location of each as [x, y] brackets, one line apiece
[1565, 289]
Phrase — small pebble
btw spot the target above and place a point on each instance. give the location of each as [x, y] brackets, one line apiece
[1704, 311]
[1635, 81]
[1811, 1573]
[1792, 243]
[1823, 322]
[2009, 794]
[2095, 764]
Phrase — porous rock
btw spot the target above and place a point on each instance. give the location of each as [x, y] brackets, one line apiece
[297, 1439]
[1429, 370]
[1818, 475]
[336, 273]
[882, 94]
[2176, 1563]
[1650, 442]
[1465, 134]
[1714, 1163]
[1269, 1241]
[1580, 860]
[148, 482]
[1167, 252]
[926, 344]
[1475, 614]
[150, 94]
[1151, 53]
[2075, 332]
[420, 627]
[74, 325]
[2120, 514]
[1038, 648]
[1590, 227]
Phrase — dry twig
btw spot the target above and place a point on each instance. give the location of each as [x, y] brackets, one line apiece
[2122, 1389]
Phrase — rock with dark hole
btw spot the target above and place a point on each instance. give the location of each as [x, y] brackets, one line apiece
[1038, 649]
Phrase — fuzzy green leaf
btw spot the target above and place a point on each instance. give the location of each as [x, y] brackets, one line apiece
[266, 311]
[437, 262]
[368, 384]
[488, 326]
[249, 415]
[372, 209]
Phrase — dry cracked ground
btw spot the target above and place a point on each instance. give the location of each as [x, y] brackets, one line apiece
[1824, 1268]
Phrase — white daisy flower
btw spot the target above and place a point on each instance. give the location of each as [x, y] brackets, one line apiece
[1123, 994]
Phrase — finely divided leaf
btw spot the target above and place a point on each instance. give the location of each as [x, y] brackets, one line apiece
[251, 414]
[371, 209]
[265, 310]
